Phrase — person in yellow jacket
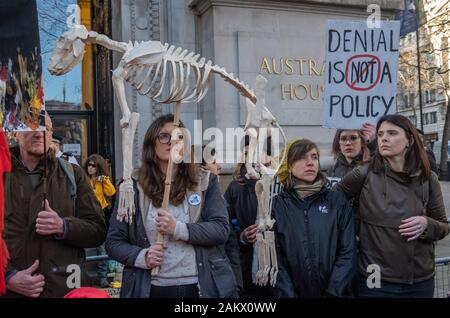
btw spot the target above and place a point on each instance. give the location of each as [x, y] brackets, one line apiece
[96, 168]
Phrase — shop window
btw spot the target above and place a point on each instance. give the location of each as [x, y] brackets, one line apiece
[69, 96]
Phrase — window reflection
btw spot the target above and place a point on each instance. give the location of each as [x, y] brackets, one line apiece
[52, 23]
[74, 134]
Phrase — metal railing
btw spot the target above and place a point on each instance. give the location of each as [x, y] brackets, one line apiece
[97, 258]
[442, 278]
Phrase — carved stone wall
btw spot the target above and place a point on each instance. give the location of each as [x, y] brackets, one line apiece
[237, 35]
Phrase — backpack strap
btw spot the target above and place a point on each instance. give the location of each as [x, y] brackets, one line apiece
[68, 170]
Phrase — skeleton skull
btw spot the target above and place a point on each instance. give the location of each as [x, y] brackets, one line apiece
[177, 151]
[68, 51]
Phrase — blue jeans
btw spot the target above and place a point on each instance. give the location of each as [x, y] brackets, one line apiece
[423, 289]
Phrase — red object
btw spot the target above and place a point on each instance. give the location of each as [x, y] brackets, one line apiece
[87, 292]
[5, 166]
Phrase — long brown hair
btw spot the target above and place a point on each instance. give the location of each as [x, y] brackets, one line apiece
[336, 148]
[100, 164]
[296, 152]
[415, 157]
[152, 179]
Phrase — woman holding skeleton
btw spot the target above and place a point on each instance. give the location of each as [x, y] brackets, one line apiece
[192, 261]
[314, 230]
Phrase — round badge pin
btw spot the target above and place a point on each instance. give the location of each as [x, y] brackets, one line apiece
[194, 199]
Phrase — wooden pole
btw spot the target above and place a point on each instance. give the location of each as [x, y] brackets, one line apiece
[168, 181]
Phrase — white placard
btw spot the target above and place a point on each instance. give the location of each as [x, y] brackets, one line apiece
[75, 149]
[361, 73]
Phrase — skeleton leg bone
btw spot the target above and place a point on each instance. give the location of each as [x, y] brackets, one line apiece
[126, 192]
[270, 241]
[118, 79]
[260, 257]
[251, 154]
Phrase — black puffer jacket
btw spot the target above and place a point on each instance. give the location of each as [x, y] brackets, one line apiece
[316, 247]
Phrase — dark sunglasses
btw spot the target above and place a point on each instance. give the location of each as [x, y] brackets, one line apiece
[344, 139]
[90, 164]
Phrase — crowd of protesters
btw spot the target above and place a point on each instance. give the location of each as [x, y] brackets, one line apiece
[384, 209]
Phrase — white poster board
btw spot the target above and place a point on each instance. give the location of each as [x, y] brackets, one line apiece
[75, 149]
[361, 73]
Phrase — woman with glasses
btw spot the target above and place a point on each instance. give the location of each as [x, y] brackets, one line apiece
[401, 214]
[97, 169]
[351, 147]
[193, 262]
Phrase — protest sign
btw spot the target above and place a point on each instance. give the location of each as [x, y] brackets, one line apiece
[361, 73]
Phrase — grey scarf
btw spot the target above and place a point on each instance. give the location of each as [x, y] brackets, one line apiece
[306, 190]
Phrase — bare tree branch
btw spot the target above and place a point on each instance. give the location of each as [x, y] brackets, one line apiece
[435, 50]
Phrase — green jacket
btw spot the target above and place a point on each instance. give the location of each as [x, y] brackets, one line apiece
[83, 217]
[383, 199]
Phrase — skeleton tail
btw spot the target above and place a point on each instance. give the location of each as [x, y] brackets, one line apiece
[243, 88]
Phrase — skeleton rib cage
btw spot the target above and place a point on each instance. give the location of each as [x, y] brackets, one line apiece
[190, 76]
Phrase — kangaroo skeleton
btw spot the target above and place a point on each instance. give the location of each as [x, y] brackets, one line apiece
[146, 66]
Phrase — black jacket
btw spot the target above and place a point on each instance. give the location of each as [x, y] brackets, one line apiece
[242, 210]
[316, 246]
[242, 202]
[341, 167]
